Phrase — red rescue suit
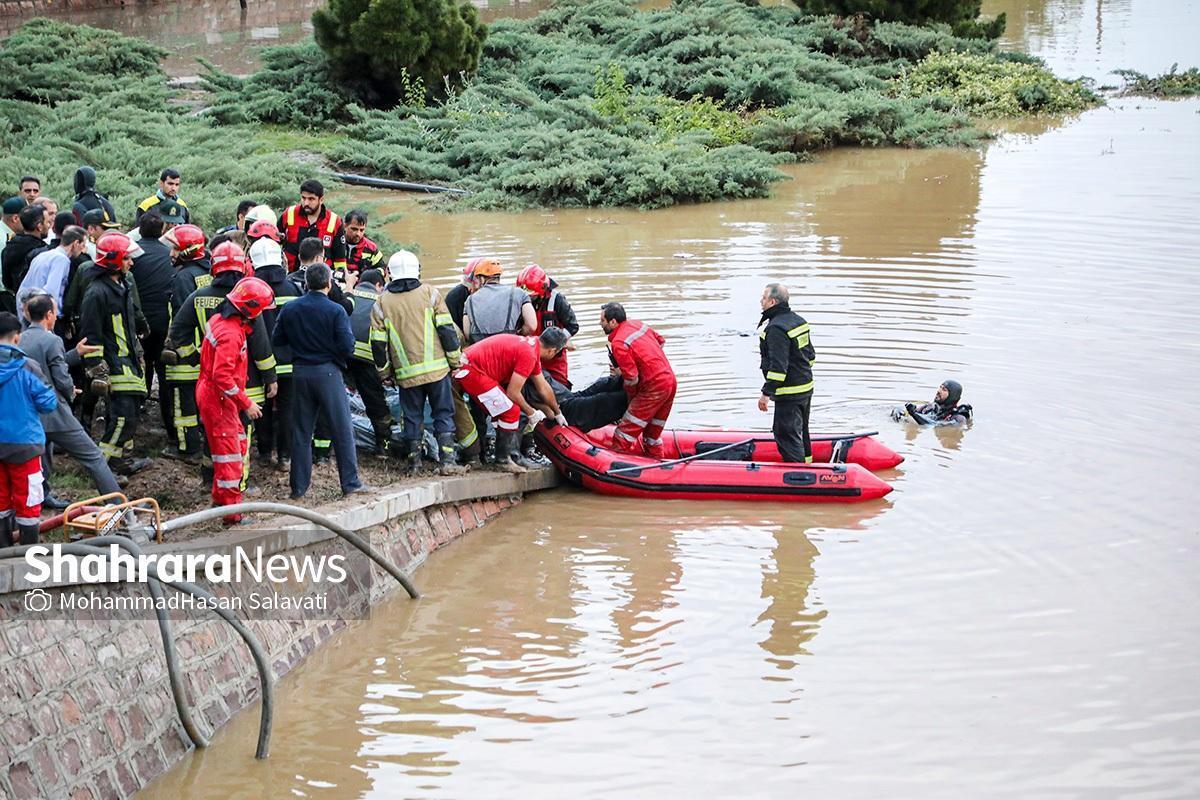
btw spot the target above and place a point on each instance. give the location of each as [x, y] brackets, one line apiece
[221, 398]
[650, 383]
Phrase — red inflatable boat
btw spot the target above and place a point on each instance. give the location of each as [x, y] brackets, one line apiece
[828, 448]
[588, 463]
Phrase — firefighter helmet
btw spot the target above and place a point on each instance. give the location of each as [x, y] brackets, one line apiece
[251, 296]
[259, 214]
[112, 250]
[534, 280]
[263, 228]
[266, 253]
[188, 241]
[403, 264]
[228, 257]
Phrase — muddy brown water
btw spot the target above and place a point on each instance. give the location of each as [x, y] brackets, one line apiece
[1020, 618]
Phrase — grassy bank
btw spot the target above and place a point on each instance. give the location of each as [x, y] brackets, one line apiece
[590, 103]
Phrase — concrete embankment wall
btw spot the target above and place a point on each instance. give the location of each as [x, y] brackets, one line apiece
[86, 710]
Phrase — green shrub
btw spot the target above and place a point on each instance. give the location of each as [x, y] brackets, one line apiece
[1170, 84]
[376, 45]
[984, 85]
[126, 125]
[961, 15]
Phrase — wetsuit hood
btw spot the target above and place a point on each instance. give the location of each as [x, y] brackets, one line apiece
[85, 179]
[401, 285]
[953, 394]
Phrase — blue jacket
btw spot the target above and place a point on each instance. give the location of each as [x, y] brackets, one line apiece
[22, 396]
[317, 330]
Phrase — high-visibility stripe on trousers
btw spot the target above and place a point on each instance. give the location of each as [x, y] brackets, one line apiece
[21, 490]
[491, 398]
[228, 444]
[646, 417]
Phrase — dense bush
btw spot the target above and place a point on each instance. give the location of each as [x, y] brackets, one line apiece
[961, 15]
[984, 85]
[120, 118]
[1170, 84]
[380, 46]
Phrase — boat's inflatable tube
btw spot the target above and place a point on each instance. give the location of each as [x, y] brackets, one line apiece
[593, 466]
[835, 448]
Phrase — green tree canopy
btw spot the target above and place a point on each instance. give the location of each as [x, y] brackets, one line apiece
[387, 49]
[961, 15]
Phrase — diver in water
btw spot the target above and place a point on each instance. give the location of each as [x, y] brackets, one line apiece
[944, 410]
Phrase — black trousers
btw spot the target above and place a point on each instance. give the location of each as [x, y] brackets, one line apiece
[364, 379]
[319, 390]
[185, 432]
[120, 423]
[152, 345]
[441, 404]
[791, 427]
[275, 425]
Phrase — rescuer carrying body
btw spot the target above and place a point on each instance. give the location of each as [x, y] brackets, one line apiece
[225, 408]
[649, 380]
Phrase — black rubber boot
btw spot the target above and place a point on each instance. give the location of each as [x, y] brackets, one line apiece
[508, 458]
[29, 533]
[530, 452]
[6, 531]
[383, 438]
[415, 457]
[449, 459]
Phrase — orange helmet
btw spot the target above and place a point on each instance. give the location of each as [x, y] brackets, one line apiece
[534, 280]
[112, 249]
[250, 296]
[228, 257]
[264, 227]
[189, 241]
[484, 268]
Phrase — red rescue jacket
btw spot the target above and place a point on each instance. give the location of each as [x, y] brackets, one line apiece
[637, 350]
[223, 359]
[295, 227]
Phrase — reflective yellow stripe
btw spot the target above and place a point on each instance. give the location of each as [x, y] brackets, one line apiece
[442, 319]
[265, 364]
[378, 335]
[470, 438]
[363, 350]
[454, 354]
[119, 332]
[430, 335]
[283, 369]
[364, 294]
[800, 334]
[801, 389]
[182, 373]
[99, 354]
[257, 393]
[322, 442]
[286, 298]
[776, 376]
[109, 450]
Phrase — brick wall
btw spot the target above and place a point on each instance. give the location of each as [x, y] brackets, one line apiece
[85, 706]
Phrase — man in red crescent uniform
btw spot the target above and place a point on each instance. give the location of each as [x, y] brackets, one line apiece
[649, 380]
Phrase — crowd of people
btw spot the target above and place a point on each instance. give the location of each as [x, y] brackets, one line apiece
[253, 338]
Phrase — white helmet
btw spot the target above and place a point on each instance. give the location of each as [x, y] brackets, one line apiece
[403, 264]
[266, 253]
[260, 213]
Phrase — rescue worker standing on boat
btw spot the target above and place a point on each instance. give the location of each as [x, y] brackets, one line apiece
[649, 380]
[787, 356]
[221, 390]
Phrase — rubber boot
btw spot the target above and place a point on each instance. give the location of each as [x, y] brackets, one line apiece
[508, 458]
[449, 459]
[530, 452]
[415, 458]
[6, 530]
[383, 438]
[29, 533]
[488, 453]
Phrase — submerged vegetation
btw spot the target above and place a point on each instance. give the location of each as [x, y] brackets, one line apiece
[1170, 84]
[590, 103]
[73, 95]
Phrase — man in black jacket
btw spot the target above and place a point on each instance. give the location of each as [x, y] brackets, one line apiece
[13, 257]
[88, 199]
[787, 356]
[155, 275]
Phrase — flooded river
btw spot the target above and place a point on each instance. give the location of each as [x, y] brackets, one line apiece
[1020, 618]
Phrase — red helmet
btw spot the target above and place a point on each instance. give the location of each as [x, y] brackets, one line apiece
[250, 296]
[264, 227]
[112, 249]
[534, 280]
[228, 257]
[189, 241]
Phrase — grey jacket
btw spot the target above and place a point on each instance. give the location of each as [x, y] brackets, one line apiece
[45, 349]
